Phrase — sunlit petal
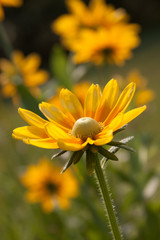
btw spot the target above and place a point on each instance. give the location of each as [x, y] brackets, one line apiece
[71, 104]
[109, 98]
[122, 103]
[32, 118]
[92, 101]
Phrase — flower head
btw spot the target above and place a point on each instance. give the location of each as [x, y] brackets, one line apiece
[76, 127]
[47, 186]
[8, 3]
[21, 70]
[97, 14]
[96, 33]
[113, 45]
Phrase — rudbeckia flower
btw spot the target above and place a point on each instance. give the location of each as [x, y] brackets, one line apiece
[8, 3]
[97, 14]
[97, 32]
[21, 70]
[113, 46]
[76, 127]
[46, 186]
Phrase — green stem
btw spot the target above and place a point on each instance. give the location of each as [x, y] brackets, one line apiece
[107, 201]
[5, 42]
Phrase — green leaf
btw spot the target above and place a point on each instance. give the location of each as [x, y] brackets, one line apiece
[107, 154]
[58, 154]
[59, 69]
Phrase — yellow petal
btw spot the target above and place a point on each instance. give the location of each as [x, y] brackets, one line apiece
[116, 122]
[71, 145]
[28, 132]
[77, 7]
[109, 98]
[92, 100]
[56, 132]
[122, 103]
[17, 58]
[65, 22]
[47, 143]
[32, 118]
[104, 137]
[130, 115]
[35, 79]
[55, 115]
[13, 3]
[71, 104]
[31, 62]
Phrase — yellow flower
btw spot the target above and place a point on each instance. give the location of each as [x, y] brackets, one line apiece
[98, 14]
[8, 3]
[97, 33]
[78, 128]
[47, 186]
[113, 46]
[144, 94]
[21, 70]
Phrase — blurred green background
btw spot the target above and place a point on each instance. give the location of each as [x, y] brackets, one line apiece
[134, 180]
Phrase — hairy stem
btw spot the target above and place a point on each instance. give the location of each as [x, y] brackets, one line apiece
[107, 201]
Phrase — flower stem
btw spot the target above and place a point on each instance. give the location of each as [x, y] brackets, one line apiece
[5, 42]
[107, 201]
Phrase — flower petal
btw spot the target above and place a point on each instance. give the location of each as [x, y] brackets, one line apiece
[28, 132]
[92, 100]
[108, 100]
[122, 103]
[36, 78]
[116, 122]
[77, 8]
[71, 104]
[31, 63]
[56, 132]
[104, 137]
[47, 143]
[55, 115]
[130, 115]
[72, 145]
[32, 118]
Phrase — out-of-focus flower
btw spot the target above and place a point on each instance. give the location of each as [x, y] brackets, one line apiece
[46, 185]
[113, 45]
[143, 94]
[8, 3]
[97, 14]
[21, 70]
[80, 128]
[97, 33]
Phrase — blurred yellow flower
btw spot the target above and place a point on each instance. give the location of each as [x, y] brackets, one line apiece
[97, 33]
[21, 70]
[113, 46]
[97, 14]
[143, 94]
[76, 127]
[46, 185]
[8, 3]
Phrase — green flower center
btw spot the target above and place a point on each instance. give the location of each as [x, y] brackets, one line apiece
[86, 127]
